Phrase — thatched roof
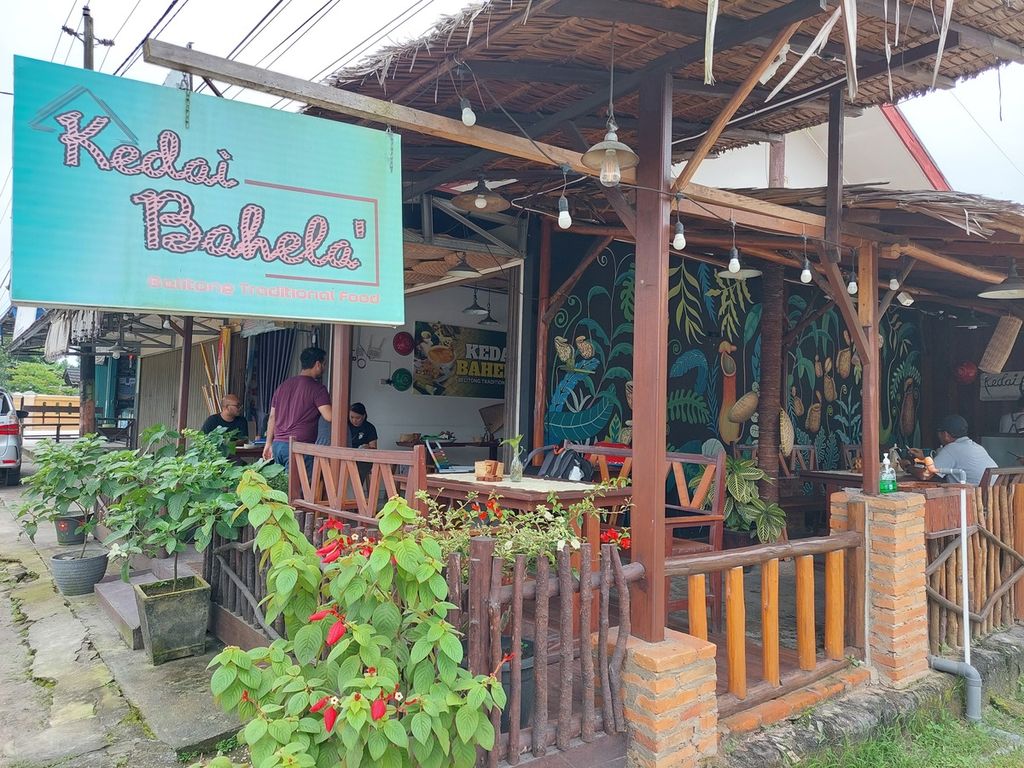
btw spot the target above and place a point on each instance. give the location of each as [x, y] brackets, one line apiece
[533, 59]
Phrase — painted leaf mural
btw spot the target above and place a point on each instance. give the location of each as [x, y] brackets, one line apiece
[715, 359]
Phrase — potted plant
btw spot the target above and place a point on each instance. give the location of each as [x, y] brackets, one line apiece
[64, 489]
[515, 470]
[164, 503]
[369, 673]
[747, 515]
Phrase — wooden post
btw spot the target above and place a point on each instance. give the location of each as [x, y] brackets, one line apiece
[650, 359]
[341, 382]
[481, 552]
[1018, 545]
[86, 395]
[770, 399]
[540, 391]
[184, 379]
[871, 415]
[834, 190]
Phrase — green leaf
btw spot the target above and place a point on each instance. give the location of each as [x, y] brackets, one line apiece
[297, 703]
[476, 697]
[255, 730]
[282, 730]
[308, 642]
[498, 695]
[420, 651]
[396, 733]
[466, 722]
[267, 537]
[421, 727]
[376, 743]
[451, 647]
[286, 580]
[464, 755]
[222, 678]
[387, 618]
[485, 734]
[389, 524]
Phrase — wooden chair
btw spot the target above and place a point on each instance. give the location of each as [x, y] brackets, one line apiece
[849, 453]
[798, 505]
[703, 508]
[744, 451]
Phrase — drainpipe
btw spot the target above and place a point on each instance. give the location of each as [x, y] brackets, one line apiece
[963, 668]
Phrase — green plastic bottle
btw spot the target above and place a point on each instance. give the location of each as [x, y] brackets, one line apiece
[887, 482]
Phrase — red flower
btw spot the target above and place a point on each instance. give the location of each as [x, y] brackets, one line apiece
[378, 709]
[624, 543]
[320, 704]
[475, 507]
[366, 551]
[357, 696]
[245, 696]
[330, 715]
[336, 632]
[321, 615]
[507, 658]
[371, 670]
[492, 505]
[482, 515]
[330, 557]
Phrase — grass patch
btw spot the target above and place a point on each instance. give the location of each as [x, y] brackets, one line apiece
[932, 739]
[135, 718]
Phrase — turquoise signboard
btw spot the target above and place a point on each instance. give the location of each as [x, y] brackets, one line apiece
[140, 197]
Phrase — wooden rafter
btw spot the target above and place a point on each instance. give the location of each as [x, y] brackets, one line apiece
[740, 96]
[729, 37]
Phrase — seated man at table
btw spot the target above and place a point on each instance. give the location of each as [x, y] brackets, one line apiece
[229, 419]
[959, 452]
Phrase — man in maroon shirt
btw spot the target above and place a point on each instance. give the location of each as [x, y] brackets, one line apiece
[297, 406]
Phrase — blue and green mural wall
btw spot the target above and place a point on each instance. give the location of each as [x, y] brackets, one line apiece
[714, 361]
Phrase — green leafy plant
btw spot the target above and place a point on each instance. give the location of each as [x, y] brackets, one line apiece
[370, 671]
[165, 501]
[745, 510]
[68, 481]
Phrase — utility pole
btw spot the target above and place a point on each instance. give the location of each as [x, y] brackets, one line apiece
[87, 359]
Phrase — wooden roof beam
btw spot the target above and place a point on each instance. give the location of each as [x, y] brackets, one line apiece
[969, 36]
[742, 92]
[496, 142]
[727, 36]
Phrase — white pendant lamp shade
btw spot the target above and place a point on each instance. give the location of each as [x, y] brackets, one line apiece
[481, 199]
[610, 157]
[1011, 288]
[462, 268]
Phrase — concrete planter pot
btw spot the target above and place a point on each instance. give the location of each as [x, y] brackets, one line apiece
[76, 575]
[67, 530]
[173, 617]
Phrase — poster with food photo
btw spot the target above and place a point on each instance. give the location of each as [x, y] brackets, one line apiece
[452, 361]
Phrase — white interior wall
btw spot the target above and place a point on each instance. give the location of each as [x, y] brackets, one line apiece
[393, 412]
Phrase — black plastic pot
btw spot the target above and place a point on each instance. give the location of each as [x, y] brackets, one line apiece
[173, 617]
[68, 530]
[528, 694]
[76, 575]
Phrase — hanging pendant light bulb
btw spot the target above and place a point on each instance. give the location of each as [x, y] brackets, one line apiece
[734, 260]
[564, 219]
[610, 157]
[474, 308]
[679, 240]
[894, 283]
[480, 202]
[805, 275]
[468, 115]
[481, 198]
[851, 287]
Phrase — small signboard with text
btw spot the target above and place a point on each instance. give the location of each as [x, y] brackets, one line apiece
[144, 198]
[1008, 385]
[453, 361]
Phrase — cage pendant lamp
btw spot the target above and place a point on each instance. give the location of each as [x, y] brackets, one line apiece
[1011, 288]
[610, 157]
[481, 199]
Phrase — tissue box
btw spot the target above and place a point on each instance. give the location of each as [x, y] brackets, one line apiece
[489, 471]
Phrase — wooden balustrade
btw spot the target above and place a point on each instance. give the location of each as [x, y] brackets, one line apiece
[806, 664]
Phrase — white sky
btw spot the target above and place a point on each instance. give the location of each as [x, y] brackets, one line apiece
[342, 32]
[977, 149]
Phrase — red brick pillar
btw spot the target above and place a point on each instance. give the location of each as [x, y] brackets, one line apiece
[670, 703]
[897, 603]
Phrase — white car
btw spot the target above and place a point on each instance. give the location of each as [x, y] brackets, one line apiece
[10, 439]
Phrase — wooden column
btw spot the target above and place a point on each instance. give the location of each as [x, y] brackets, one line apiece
[540, 390]
[341, 381]
[770, 395]
[185, 376]
[834, 190]
[871, 414]
[650, 356]
[87, 394]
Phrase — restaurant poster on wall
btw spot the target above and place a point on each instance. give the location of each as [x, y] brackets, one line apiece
[145, 198]
[452, 361]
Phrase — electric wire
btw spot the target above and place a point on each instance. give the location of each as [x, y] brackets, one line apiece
[119, 30]
[124, 66]
[159, 32]
[360, 48]
[60, 34]
[71, 45]
[258, 29]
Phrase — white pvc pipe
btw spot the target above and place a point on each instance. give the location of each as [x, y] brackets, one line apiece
[963, 570]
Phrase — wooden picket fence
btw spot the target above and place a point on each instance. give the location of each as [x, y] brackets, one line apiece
[995, 564]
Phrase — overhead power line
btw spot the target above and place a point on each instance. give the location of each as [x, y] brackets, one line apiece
[125, 65]
[252, 34]
[120, 30]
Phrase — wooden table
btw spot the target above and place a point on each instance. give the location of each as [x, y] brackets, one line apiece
[250, 454]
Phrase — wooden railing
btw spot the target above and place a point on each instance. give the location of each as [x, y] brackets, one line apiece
[348, 483]
[503, 606]
[807, 665]
[995, 564]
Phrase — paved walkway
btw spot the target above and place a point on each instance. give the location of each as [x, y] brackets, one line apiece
[60, 702]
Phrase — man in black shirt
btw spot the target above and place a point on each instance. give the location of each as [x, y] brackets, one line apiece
[230, 418]
[361, 433]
